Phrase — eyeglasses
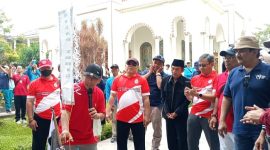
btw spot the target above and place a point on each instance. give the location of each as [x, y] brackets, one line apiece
[246, 80]
[132, 63]
[228, 57]
[202, 65]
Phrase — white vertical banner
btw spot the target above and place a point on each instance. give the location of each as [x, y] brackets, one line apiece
[66, 52]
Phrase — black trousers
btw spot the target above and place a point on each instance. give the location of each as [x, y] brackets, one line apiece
[138, 132]
[20, 107]
[40, 136]
[177, 134]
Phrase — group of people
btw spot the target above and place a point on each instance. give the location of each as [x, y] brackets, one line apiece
[14, 81]
[228, 107]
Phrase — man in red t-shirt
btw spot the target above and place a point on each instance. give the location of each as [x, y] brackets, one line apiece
[43, 94]
[230, 61]
[77, 120]
[202, 96]
[20, 92]
[133, 111]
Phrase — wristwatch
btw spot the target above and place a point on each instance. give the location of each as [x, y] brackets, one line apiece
[214, 115]
[200, 95]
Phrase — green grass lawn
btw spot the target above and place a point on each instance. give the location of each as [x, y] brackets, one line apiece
[19, 137]
[13, 136]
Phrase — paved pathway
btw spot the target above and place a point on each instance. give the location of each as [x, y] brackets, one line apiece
[107, 145]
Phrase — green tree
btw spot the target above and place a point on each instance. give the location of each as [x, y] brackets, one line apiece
[5, 26]
[263, 34]
[6, 53]
[27, 54]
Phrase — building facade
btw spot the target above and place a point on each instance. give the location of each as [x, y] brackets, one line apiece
[182, 29]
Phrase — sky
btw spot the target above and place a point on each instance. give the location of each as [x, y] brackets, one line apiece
[27, 15]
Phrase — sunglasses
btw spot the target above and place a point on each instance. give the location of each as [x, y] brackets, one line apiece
[246, 80]
[132, 63]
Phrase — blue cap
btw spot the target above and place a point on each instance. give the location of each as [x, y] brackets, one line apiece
[230, 52]
[160, 58]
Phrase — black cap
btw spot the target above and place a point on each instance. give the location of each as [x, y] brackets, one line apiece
[93, 70]
[160, 58]
[267, 44]
[229, 51]
[134, 60]
[178, 63]
[114, 66]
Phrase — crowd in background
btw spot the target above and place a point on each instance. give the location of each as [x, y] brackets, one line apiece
[228, 107]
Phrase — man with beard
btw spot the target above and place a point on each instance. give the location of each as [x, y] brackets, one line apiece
[256, 115]
[43, 94]
[230, 62]
[247, 85]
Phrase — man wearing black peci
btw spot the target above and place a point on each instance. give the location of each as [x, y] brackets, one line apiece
[175, 108]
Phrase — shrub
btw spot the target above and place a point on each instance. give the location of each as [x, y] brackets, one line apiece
[106, 131]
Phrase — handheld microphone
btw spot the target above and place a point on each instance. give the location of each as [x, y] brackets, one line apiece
[90, 92]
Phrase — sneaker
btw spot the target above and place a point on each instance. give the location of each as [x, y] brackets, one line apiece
[24, 121]
[18, 121]
[8, 111]
[113, 139]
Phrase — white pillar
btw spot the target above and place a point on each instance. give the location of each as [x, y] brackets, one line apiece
[203, 42]
[125, 52]
[211, 46]
[157, 51]
[187, 57]
[173, 45]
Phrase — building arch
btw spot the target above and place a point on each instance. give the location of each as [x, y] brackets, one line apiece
[134, 28]
[174, 22]
[178, 41]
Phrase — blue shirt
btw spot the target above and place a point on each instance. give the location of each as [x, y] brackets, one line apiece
[188, 71]
[256, 90]
[108, 86]
[155, 93]
[31, 74]
[4, 81]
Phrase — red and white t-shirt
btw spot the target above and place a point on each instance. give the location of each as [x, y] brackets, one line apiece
[47, 95]
[220, 85]
[129, 92]
[204, 84]
[81, 124]
[21, 83]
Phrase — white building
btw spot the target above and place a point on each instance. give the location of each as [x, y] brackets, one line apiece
[182, 29]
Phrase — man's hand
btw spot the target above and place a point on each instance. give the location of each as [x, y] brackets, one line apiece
[159, 70]
[93, 113]
[151, 68]
[222, 128]
[66, 136]
[187, 93]
[146, 120]
[109, 114]
[33, 125]
[172, 115]
[213, 123]
[260, 142]
[253, 115]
